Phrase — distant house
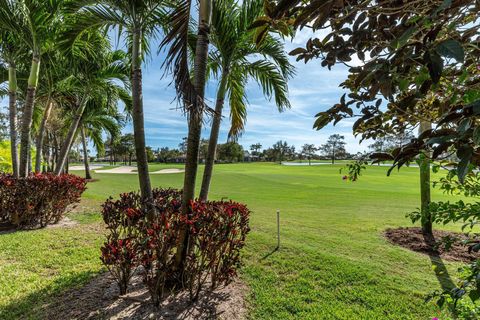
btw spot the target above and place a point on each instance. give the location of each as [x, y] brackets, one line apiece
[248, 157]
[178, 159]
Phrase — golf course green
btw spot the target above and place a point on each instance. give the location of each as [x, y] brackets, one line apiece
[333, 262]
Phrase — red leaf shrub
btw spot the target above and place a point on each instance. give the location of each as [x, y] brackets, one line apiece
[217, 234]
[119, 252]
[39, 199]
[158, 239]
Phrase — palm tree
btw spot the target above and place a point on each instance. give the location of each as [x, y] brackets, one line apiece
[96, 120]
[235, 60]
[56, 69]
[33, 23]
[139, 22]
[94, 79]
[191, 94]
[10, 53]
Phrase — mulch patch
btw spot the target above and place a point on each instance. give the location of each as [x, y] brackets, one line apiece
[99, 299]
[415, 240]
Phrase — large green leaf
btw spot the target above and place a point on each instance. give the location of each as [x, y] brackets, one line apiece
[451, 49]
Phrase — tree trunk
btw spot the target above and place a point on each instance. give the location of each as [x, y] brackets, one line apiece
[138, 121]
[12, 103]
[54, 152]
[212, 143]
[425, 195]
[333, 156]
[28, 116]
[194, 124]
[72, 132]
[88, 176]
[41, 135]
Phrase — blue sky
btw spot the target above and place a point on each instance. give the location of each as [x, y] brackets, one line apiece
[313, 89]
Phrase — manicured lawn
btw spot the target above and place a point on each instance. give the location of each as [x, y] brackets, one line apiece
[333, 262]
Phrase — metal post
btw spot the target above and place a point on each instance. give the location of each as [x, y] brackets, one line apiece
[278, 229]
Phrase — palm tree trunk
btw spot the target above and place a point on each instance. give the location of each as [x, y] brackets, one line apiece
[72, 132]
[12, 103]
[138, 120]
[88, 176]
[195, 124]
[425, 195]
[212, 143]
[41, 135]
[28, 116]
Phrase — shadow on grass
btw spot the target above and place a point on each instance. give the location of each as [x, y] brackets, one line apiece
[269, 254]
[439, 267]
[33, 306]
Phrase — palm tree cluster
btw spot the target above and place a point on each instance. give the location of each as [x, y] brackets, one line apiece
[65, 81]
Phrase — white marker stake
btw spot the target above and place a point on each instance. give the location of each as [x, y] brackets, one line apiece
[278, 229]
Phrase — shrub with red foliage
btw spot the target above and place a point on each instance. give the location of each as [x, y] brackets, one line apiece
[217, 234]
[39, 199]
[119, 252]
[158, 239]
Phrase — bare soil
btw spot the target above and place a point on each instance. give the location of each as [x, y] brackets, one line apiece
[100, 299]
[415, 240]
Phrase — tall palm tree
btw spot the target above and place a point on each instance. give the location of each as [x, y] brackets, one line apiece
[138, 21]
[33, 22]
[11, 54]
[191, 94]
[95, 77]
[56, 68]
[236, 60]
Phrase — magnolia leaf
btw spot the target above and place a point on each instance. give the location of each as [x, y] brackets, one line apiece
[476, 136]
[297, 51]
[451, 49]
[475, 107]
[400, 42]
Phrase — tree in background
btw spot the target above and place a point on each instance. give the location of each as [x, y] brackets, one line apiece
[150, 154]
[230, 152]
[97, 120]
[309, 150]
[182, 146]
[255, 148]
[203, 153]
[334, 147]
[127, 143]
[3, 126]
[166, 154]
[280, 151]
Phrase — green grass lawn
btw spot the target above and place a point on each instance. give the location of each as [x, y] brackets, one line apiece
[333, 262]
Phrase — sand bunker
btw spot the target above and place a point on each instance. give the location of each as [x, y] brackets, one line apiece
[92, 167]
[133, 170]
